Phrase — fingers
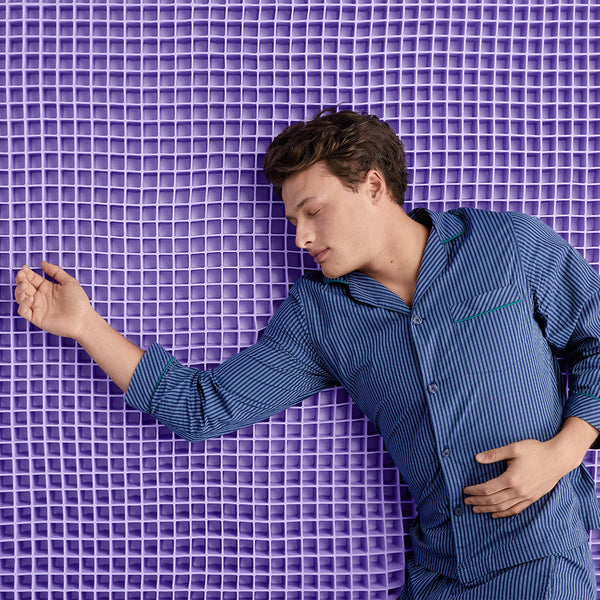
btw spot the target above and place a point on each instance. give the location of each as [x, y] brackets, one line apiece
[498, 496]
[502, 503]
[21, 274]
[30, 285]
[26, 275]
[512, 511]
[56, 272]
[497, 454]
[507, 508]
[25, 309]
[29, 281]
[25, 291]
[27, 284]
[499, 501]
[493, 486]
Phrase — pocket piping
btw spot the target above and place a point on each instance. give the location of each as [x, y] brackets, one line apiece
[486, 303]
[485, 312]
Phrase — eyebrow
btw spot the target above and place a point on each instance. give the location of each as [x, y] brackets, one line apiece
[300, 205]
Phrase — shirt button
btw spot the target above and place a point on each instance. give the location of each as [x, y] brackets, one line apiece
[446, 452]
[458, 511]
[417, 320]
[432, 388]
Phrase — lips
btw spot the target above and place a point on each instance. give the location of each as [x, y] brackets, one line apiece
[318, 256]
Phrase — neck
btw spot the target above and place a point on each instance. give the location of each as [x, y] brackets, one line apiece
[401, 250]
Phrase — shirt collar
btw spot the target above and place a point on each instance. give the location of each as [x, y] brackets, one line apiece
[447, 225]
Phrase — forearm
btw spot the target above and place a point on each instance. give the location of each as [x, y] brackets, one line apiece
[573, 441]
[112, 352]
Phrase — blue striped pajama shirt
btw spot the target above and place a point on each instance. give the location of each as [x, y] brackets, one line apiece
[469, 367]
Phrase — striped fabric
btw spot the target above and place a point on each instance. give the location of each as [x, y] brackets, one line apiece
[471, 366]
[568, 577]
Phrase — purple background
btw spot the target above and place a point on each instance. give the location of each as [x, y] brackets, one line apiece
[131, 144]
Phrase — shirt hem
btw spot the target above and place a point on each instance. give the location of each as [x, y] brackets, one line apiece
[495, 562]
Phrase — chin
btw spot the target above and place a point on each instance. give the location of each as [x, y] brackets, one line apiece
[332, 272]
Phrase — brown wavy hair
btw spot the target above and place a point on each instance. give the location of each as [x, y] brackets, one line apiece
[351, 144]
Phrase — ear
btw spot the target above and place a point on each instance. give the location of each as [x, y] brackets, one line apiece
[375, 185]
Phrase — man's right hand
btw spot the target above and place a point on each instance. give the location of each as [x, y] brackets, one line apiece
[61, 308]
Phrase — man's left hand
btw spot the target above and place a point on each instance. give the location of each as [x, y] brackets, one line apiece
[533, 469]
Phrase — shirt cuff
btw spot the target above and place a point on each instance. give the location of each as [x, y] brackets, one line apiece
[586, 407]
[147, 377]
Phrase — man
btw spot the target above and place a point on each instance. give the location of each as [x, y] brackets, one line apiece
[443, 327]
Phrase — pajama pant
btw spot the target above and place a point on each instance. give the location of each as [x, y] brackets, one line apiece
[567, 577]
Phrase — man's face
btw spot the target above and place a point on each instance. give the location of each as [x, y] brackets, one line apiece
[332, 222]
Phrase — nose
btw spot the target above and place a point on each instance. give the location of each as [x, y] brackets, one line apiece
[304, 235]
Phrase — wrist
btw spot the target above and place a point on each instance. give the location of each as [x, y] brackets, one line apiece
[572, 442]
[564, 456]
[88, 328]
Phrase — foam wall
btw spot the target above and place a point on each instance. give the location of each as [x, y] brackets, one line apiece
[131, 144]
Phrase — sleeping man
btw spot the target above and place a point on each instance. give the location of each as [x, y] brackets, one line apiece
[444, 328]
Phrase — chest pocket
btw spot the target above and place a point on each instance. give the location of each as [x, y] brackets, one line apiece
[492, 330]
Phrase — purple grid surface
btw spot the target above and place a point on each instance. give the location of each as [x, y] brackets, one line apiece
[131, 144]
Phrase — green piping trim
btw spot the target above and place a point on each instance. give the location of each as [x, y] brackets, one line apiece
[164, 371]
[452, 238]
[590, 396]
[488, 311]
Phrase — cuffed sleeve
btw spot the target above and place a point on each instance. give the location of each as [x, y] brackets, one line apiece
[566, 291]
[280, 370]
[147, 377]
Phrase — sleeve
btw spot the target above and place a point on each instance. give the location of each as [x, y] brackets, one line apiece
[280, 370]
[566, 292]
